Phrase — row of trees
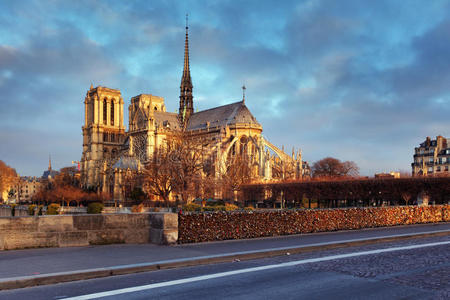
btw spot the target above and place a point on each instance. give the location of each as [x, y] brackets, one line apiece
[353, 192]
[180, 168]
[64, 189]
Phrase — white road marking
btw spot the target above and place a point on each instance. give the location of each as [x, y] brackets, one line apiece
[231, 254]
[248, 270]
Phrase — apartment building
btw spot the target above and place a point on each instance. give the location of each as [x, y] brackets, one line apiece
[432, 157]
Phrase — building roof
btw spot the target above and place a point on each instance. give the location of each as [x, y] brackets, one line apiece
[48, 174]
[167, 119]
[222, 116]
[127, 162]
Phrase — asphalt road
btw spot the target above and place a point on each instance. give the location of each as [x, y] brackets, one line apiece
[30, 262]
[412, 269]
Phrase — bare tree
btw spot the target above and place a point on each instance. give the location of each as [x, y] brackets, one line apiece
[406, 197]
[333, 167]
[161, 173]
[237, 172]
[190, 151]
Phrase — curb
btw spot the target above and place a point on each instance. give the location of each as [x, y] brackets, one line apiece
[52, 278]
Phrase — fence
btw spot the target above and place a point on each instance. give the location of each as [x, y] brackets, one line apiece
[204, 227]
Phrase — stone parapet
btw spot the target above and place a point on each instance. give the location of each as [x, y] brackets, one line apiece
[84, 230]
[164, 228]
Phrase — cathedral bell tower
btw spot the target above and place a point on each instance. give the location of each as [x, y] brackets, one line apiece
[186, 98]
[103, 134]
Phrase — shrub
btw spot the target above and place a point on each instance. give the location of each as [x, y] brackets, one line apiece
[95, 208]
[192, 207]
[53, 209]
[230, 207]
[137, 208]
[13, 210]
[31, 209]
[249, 208]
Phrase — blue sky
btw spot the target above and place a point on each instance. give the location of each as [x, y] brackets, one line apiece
[357, 80]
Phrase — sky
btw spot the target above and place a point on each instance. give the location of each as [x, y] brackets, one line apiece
[365, 81]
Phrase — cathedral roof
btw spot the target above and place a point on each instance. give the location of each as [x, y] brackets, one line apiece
[222, 116]
[127, 162]
[167, 119]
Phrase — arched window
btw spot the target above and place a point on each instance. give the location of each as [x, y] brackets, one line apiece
[105, 111]
[112, 112]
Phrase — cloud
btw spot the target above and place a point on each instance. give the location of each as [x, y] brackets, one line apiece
[362, 81]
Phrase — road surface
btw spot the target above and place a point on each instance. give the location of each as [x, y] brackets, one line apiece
[407, 269]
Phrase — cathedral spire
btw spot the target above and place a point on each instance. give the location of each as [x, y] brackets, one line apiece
[186, 69]
[186, 98]
[49, 162]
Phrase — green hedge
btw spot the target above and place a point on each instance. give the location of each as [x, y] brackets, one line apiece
[95, 208]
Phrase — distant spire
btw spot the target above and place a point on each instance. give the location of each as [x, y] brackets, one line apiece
[49, 162]
[186, 98]
[186, 68]
[243, 93]
[92, 86]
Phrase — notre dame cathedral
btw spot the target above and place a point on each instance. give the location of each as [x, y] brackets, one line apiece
[109, 151]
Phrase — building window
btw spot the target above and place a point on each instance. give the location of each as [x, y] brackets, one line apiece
[105, 137]
[430, 169]
[446, 168]
[112, 112]
[431, 160]
[105, 111]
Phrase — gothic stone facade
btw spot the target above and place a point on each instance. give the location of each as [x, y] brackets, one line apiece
[110, 153]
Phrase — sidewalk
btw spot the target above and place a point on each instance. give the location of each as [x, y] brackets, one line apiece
[100, 261]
